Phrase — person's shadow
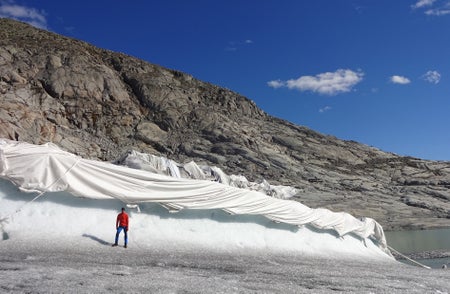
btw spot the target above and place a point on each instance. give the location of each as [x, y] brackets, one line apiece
[103, 242]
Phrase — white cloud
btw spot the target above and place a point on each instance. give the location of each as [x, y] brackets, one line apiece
[8, 9]
[432, 76]
[326, 108]
[400, 80]
[431, 9]
[423, 3]
[276, 84]
[329, 83]
[437, 12]
[230, 48]
[235, 45]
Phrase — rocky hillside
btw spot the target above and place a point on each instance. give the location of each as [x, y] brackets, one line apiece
[99, 104]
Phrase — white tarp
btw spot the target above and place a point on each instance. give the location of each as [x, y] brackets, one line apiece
[46, 168]
[191, 170]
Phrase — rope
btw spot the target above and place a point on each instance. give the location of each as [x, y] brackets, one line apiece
[406, 257]
[39, 195]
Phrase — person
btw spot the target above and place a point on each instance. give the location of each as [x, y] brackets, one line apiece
[122, 224]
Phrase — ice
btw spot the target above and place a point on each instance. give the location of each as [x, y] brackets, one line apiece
[61, 243]
[47, 168]
[61, 215]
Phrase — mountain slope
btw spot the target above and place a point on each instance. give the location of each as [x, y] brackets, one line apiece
[99, 104]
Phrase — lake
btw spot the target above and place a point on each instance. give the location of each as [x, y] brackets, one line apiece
[417, 241]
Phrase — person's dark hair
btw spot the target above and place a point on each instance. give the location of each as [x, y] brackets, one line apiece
[123, 209]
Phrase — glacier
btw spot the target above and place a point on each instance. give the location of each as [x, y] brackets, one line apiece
[55, 238]
[46, 168]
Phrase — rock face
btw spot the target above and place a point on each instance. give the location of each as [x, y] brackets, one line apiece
[99, 104]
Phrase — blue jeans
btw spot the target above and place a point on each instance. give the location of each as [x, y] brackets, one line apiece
[119, 229]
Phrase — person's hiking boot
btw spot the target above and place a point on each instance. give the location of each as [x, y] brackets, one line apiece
[114, 245]
[125, 246]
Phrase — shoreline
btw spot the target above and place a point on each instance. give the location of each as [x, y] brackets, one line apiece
[430, 254]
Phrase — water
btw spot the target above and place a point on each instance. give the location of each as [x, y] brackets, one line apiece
[419, 240]
[429, 247]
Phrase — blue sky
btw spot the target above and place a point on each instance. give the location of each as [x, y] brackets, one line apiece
[373, 71]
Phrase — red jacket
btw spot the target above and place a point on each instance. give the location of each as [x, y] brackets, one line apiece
[122, 220]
